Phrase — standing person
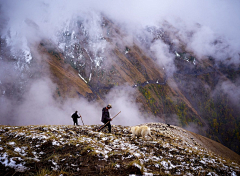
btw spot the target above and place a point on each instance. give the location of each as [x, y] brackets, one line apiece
[75, 118]
[106, 117]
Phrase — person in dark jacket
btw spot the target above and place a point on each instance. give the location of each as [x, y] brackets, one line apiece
[75, 118]
[106, 117]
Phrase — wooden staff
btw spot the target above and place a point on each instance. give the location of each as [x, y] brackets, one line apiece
[81, 119]
[108, 122]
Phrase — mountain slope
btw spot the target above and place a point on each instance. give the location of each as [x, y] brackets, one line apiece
[71, 150]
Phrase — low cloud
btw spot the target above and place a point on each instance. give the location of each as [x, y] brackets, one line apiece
[123, 98]
[230, 89]
[164, 57]
[40, 107]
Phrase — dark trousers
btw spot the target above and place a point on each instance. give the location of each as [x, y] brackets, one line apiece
[108, 125]
[75, 121]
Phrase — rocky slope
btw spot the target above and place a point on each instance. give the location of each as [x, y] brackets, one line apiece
[81, 150]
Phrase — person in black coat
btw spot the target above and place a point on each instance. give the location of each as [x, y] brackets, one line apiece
[75, 118]
[106, 117]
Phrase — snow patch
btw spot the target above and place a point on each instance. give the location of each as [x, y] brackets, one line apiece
[82, 78]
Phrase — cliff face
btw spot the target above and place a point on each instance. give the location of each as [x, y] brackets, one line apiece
[74, 150]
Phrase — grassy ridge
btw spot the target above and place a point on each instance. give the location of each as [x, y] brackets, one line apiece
[70, 150]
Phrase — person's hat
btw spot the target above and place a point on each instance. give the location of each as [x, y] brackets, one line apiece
[109, 106]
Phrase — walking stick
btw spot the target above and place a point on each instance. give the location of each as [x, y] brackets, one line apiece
[108, 122]
[81, 119]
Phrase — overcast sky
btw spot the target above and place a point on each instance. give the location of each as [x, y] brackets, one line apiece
[220, 15]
